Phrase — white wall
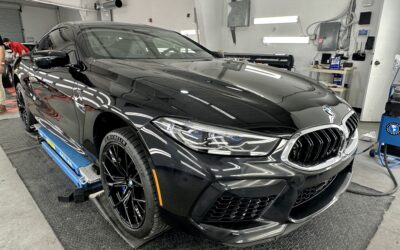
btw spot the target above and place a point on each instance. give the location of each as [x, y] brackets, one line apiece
[249, 39]
[169, 14]
[360, 79]
[210, 19]
[213, 25]
[37, 21]
[67, 15]
[88, 16]
[387, 45]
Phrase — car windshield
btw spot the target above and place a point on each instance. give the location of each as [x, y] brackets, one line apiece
[140, 43]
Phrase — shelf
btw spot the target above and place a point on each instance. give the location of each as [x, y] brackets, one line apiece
[332, 71]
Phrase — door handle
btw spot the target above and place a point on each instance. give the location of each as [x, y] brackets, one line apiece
[377, 63]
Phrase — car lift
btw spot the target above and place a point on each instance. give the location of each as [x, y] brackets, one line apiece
[81, 171]
[78, 167]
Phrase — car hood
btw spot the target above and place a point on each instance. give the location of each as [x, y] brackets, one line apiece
[223, 92]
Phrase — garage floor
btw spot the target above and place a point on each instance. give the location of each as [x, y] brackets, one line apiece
[20, 216]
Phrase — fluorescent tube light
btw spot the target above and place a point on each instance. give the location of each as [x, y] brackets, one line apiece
[278, 19]
[293, 39]
[188, 32]
[62, 5]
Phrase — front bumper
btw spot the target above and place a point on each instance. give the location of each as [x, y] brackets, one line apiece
[267, 229]
[192, 183]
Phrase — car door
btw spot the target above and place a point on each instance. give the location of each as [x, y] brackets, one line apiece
[54, 88]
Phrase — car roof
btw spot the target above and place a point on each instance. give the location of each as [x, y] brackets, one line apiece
[86, 24]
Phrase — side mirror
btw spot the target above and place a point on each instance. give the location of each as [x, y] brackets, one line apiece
[49, 59]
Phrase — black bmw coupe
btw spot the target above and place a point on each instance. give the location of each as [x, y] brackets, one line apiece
[240, 153]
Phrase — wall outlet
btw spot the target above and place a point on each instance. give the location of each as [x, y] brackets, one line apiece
[363, 32]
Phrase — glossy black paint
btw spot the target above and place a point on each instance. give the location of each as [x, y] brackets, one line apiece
[77, 101]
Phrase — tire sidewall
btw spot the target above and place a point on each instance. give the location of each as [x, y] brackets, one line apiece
[28, 122]
[6, 77]
[9, 77]
[117, 138]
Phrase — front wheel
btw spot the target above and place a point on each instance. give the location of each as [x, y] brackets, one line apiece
[128, 183]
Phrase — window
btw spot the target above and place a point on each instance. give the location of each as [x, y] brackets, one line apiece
[111, 44]
[167, 47]
[140, 43]
[57, 39]
[71, 51]
[44, 44]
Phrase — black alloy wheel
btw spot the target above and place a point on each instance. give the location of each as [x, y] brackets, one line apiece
[24, 112]
[7, 77]
[128, 183]
[10, 77]
[125, 188]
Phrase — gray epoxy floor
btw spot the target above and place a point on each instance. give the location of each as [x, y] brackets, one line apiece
[23, 226]
[368, 173]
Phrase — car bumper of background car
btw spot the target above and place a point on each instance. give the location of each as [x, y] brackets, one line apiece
[239, 201]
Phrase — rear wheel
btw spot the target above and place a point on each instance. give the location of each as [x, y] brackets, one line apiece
[24, 112]
[128, 183]
[7, 77]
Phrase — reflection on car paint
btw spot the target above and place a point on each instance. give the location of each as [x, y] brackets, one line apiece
[139, 115]
[192, 168]
[155, 151]
[235, 167]
[147, 131]
[192, 161]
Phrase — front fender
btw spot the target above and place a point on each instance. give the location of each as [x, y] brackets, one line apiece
[118, 112]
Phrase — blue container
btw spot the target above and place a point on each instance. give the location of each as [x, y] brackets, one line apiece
[389, 131]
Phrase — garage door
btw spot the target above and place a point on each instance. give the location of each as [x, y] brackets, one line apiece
[10, 22]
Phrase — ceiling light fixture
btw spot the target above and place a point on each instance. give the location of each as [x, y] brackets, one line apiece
[293, 39]
[278, 19]
[188, 32]
[63, 5]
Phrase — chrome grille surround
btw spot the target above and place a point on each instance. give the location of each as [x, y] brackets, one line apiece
[349, 146]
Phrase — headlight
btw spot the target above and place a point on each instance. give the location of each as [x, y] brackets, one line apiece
[216, 140]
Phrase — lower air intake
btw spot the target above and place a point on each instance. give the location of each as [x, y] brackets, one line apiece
[232, 208]
[309, 193]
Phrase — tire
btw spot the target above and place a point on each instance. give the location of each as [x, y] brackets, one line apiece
[121, 155]
[372, 153]
[7, 78]
[26, 116]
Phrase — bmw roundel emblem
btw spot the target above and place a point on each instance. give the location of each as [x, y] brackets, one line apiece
[393, 128]
[329, 111]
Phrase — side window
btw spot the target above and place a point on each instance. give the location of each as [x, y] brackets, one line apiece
[57, 40]
[44, 44]
[71, 51]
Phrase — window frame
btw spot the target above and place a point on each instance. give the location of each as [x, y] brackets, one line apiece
[73, 43]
